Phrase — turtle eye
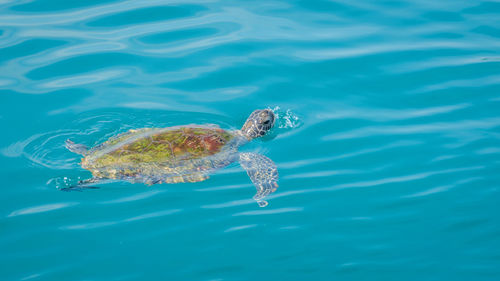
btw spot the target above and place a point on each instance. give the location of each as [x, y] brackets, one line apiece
[267, 122]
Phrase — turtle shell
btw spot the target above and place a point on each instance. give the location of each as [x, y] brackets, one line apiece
[172, 149]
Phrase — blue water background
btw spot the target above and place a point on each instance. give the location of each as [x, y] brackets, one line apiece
[387, 142]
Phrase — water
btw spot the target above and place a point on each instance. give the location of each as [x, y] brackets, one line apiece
[387, 141]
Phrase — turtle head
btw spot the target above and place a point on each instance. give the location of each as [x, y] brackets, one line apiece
[258, 123]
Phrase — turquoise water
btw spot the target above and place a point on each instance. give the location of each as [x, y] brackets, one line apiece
[387, 140]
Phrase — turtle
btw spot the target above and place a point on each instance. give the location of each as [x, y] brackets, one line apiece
[186, 153]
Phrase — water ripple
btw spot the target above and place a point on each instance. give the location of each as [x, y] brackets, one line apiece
[241, 227]
[84, 79]
[93, 225]
[404, 178]
[386, 138]
[476, 82]
[135, 197]
[440, 127]
[41, 209]
[387, 114]
[269, 212]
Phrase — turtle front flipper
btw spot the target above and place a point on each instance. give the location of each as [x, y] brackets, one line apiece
[263, 173]
[76, 147]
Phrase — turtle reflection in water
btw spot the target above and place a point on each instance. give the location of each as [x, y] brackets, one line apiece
[180, 154]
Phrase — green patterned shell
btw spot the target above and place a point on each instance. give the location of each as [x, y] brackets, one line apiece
[160, 153]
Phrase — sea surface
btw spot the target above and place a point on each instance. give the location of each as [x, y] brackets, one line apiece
[387, 140]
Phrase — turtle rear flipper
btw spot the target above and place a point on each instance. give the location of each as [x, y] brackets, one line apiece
[76, 147]
[263, 173]
[84, 184]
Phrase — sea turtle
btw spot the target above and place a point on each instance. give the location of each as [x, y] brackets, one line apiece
[180, 154]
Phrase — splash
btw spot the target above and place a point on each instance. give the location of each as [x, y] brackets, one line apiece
[63, 182]
[286, 119]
